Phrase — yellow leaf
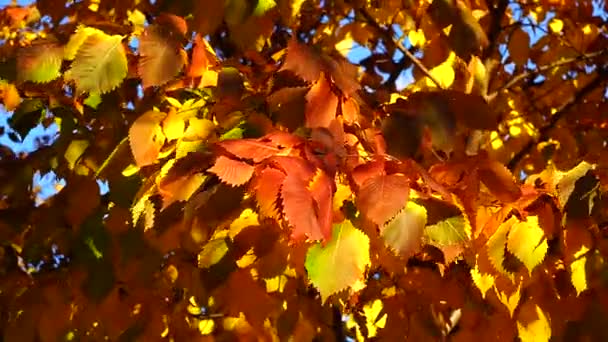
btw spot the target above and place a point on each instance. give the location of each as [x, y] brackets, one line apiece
[527, 242]
[496, 246]
[206, 326]
[416, 38]
[341, 263]
[483, 281]
[556, 25]
[345, 45]
[443, 73]
[371, 312]
[247, 218]
[173, 126]
[537, 331]
[510, 301]
[343, 193]
[578, 273]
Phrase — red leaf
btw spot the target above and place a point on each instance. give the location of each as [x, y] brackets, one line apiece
[283, 139]
[249, 149]
[321, 105]
[295, 166]
[499, 180]
[366, 171]
[232, 172]
[322, 191]
[299, 209]
[382, 197]
[267, 187]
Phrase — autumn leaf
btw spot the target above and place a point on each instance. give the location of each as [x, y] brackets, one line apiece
[161, 56]
[382, 197]
[299, 207]
[251, 149]
[146, 137]
[202, 57]
[232, 172]
[527, 242]
[39, 62]
[341, 262]
[499, 181]
[404, 232]
[537, 330]
[321, 104]
[267, 185]
[100, 64]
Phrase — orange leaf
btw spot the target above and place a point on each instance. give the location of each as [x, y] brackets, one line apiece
[202, 58]
[232, 172]
[499, 180]
[321, 105]
[303, 61]
[321, 188]
[382, 197]
[249, 149]
[368, 170]
[299, 209]
[267, 186]
[350, 110]
[146, 138]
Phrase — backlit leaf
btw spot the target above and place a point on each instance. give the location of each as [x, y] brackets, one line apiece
[251, 149]
[535, 331]
[321, 104]
[232, 172]
[39, 62]
[341, 262]
[146, 138]
[578, 272]
[382, 197]
[499, 180]
[161, 57]
[76, 40]
[267, 185]
[299, 209]
[519, 46]
[497, 244]
[483, 281]
[100, 64]
[448, 232]
[404, 232]
[527, 242]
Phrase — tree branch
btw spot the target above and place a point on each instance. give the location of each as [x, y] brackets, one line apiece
[545, 131]
[388, 36]
[497, 12]
[520, 77]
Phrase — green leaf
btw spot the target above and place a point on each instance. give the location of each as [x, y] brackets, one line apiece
[448, 232]
[100, 64]
[404, 232]
[527, 242]
[39, 63]
[341, 263]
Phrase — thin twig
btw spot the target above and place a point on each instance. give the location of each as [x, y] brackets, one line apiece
[388, 36]
[518, 78]
[546, 130]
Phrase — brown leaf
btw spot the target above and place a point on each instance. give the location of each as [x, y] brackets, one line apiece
[146, 137]
[321, 104]
[499, 180]
[519, 46]
[303, 61]
[252, 149]
[208, 16]
[161, 56]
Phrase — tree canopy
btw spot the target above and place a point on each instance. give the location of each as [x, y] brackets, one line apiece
[309, 169]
